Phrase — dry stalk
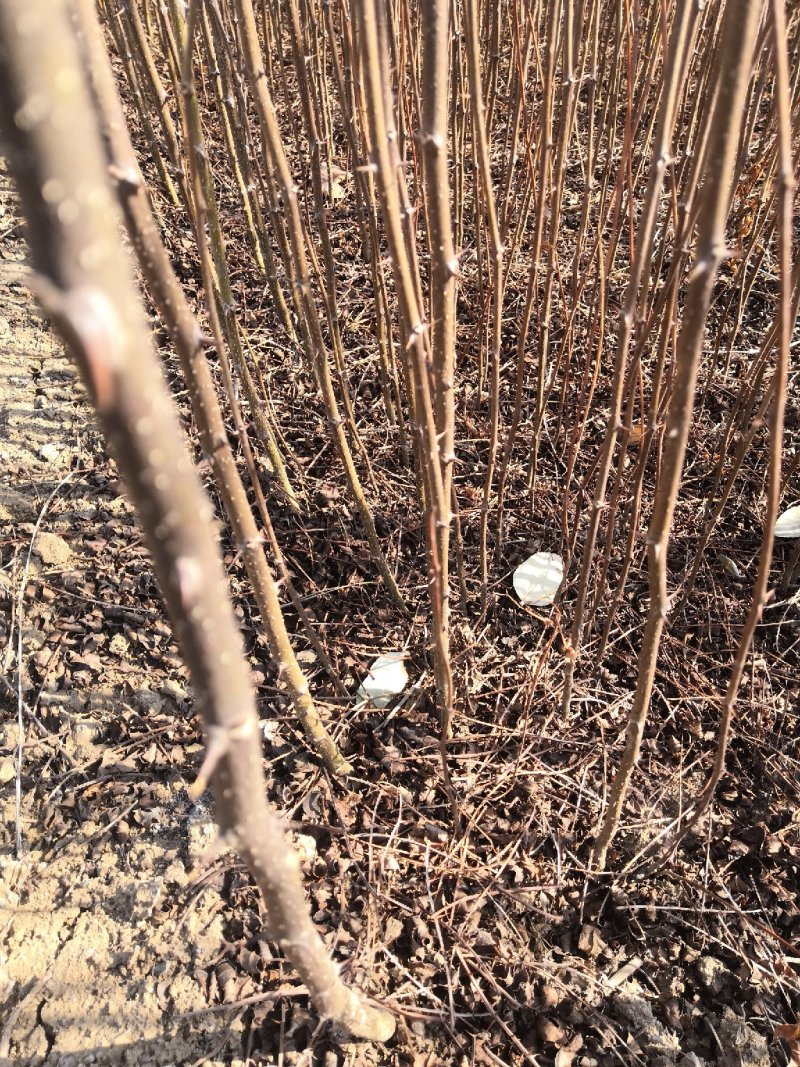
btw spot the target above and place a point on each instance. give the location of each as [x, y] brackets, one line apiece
[444, 264]
[496, 252]
[786, 318]
[740, 24]
[310, 323]
[426, 386]
[198, 163]
[675, 69]
[190, 345]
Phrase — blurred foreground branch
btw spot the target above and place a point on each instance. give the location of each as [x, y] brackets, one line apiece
[84, 283]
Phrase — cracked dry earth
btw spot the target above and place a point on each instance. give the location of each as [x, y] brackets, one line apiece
[102, 932]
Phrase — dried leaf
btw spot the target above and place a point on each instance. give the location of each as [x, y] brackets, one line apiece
[590, 941]
[549, 1031]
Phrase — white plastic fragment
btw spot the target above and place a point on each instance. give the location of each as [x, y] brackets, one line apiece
[788, 524]
[387, 678]
[537, 580]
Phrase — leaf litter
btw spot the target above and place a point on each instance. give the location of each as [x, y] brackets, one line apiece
[492, 948]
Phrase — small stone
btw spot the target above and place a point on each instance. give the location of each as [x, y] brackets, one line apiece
[119, 506]
[119, 645]
[306, 846]
[712, 973]
[33, 639]
[53, 550]
[86, 733]
[15, 506]
[742, 1045]
[149, 701]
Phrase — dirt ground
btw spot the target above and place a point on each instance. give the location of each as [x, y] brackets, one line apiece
[119, 946]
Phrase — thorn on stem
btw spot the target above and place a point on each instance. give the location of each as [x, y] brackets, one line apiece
[217, 747]
[218, 744]
[92, 327]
